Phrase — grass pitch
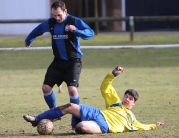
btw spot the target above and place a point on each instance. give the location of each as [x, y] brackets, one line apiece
[116, 38]
[152, 72]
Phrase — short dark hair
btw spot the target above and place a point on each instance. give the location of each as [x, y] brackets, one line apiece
[58, 4]
[133, 93]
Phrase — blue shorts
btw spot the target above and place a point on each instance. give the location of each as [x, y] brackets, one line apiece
[93, 114]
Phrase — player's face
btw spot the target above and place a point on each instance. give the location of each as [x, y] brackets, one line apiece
[128, 101]
[59, 14]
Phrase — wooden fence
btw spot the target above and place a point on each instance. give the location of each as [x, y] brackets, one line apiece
[131, 19]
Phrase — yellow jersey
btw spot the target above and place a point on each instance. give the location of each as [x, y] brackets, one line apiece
[118, 118]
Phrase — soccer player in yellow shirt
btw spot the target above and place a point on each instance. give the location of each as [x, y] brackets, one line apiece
[117, 117]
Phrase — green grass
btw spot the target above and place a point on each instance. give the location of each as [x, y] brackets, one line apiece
[152, 72]
[101, 39]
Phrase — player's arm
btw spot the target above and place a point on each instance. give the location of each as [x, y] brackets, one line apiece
[39, 30]
[81, 29]
[139, 126]
[108, 92]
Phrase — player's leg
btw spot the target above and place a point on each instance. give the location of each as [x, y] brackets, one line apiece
[60, 111]
[72, 78]
[54, 113]
[51, 78]
[49, 96]
[88, 127]
[98, 122]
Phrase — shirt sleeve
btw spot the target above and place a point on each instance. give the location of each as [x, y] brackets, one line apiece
[83, 30]
[39, 30]
[108, 92]
[139, 126]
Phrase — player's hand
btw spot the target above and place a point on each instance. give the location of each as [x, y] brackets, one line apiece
[118, 70]
[72, 28]
[27, 45]
[159, 123]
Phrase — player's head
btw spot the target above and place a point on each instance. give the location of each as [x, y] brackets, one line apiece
[59, 11]
[130, 98]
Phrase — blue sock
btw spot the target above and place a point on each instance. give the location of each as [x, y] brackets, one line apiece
[76, 100]
[50, 99]
[50, 114]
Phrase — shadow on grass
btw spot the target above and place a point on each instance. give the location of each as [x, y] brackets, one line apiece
[18, 135]
[69, 134]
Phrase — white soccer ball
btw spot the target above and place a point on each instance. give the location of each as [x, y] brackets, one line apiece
[45, 127]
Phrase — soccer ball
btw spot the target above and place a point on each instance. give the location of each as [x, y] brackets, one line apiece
[45, 127]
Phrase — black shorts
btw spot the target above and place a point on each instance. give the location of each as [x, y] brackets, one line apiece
[62, 70]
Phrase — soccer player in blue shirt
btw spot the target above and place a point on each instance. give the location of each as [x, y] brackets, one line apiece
[66, 31]
[116, 118]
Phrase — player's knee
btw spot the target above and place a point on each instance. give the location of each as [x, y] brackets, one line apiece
[46, 89]
[69, 104]
[72, 90]
[80, 130]
[66, 106]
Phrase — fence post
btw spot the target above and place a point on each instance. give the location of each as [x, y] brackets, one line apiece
[131, 25]
[96, 15]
